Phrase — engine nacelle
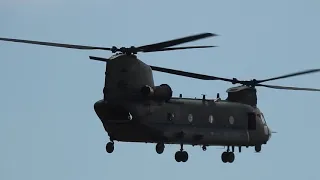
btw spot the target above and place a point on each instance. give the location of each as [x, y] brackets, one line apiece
[157, 93]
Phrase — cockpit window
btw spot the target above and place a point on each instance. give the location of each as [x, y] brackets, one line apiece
[262, 118]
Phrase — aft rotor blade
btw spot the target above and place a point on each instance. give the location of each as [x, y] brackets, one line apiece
[288, 87]
[188, 74]
[72, 46]
[290, 75]
[174, 42]
[178, 48]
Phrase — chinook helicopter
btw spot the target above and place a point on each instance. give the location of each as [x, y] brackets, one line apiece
[134, 109]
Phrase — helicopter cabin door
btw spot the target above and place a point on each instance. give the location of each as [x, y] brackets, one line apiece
[252, 121]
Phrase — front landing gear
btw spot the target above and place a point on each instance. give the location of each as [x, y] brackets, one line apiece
[110, 147]
[257, 148]
[181, 156]
[160, 148]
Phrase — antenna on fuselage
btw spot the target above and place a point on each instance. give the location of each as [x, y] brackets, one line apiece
[105, 83]
[203, 97]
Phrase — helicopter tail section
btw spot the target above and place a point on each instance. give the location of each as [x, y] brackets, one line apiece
[125, 77]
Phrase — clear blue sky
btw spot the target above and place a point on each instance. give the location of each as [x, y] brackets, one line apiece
[49, 130]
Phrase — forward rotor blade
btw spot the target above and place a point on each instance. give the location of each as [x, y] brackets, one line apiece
[55, 44]
[188, 74]
[99, 58]
[174, 42]
[290, 75]
[178, 48]
[288, 88]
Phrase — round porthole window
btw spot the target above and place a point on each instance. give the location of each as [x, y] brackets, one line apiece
[231, 120]
[190, 118]
[211, 119]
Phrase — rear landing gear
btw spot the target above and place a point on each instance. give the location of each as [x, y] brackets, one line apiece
[181, 156]
[228, 157]
[110, 147]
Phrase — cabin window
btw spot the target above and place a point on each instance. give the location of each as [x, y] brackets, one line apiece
[129, 116]
[190, 118]
[211, 119]
[231, 120]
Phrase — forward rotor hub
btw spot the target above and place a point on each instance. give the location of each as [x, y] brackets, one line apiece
[131, 50]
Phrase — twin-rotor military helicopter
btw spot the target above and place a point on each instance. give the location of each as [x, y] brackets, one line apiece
[134, 109]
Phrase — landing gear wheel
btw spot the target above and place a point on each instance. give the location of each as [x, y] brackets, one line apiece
[181, 156]
[177, 156]
[185, 156]
[231, 157]
[227, 157]
[204, 148]
[224, 157]
[110, 147]
[160, 148]
[257, 148]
